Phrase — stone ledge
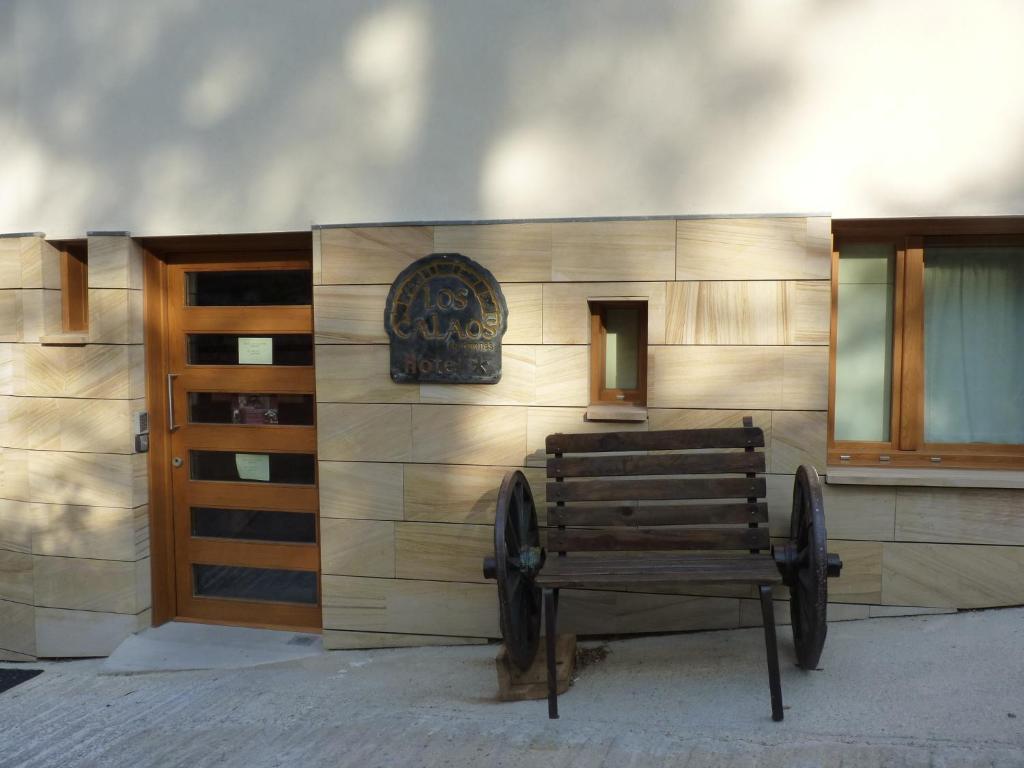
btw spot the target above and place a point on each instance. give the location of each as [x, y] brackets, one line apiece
[64, 339]
[939, 478]
[628, 413]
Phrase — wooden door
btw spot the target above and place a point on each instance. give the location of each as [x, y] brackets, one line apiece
[241, 386]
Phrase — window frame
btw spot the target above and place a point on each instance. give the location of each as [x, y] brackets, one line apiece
[74, 285]
[906, 446]
[599, 394]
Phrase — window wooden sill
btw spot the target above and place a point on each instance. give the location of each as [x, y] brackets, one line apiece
[939, 478]
[627, 413]
[73, 339]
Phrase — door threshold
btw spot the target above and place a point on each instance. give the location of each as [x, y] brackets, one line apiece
[250, 625]
[178, 646]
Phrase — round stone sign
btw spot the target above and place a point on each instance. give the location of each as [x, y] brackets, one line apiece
[445, 316]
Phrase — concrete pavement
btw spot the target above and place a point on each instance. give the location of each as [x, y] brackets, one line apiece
[943, 690]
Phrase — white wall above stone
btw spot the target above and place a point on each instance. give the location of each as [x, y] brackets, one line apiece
[192, 116]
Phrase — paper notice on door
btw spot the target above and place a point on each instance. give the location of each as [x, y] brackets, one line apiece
[255, 350]
[253, 466]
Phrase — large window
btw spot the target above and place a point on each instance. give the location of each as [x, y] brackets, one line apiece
[927, 364]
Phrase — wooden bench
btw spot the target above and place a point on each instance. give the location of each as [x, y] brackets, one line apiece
[658, 507]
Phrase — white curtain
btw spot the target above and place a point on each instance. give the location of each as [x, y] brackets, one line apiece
[974, 345]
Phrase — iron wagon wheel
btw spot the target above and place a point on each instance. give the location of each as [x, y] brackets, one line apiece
[517, 559]
[808, 586]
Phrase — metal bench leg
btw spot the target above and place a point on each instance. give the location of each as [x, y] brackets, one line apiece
[551, 621]
[768, 615]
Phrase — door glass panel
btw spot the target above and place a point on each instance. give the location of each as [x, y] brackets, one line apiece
[864, 342]
[227, 348]
[244, 408]
[277, 287]
[270, 584]
[290, 468]
[622, 338]
[254, 525]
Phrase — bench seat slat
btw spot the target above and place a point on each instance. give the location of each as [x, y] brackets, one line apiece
[651, 490]
[659, 440]
[668, 514]
[607, 539]
[659, 464]
[582, 571]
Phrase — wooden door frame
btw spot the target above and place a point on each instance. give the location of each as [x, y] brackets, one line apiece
[157, 251]
[161, 519]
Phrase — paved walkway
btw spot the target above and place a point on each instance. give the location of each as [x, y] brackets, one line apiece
[927, 691]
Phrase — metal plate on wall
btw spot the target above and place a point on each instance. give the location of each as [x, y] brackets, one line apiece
[445, 316]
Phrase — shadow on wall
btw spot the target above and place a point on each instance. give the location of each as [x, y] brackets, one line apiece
[185, 116]
[214, 115]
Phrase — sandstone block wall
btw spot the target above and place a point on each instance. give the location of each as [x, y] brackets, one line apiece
[74, 559]
[738, 324]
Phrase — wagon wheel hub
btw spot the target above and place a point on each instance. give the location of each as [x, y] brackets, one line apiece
[530, 561]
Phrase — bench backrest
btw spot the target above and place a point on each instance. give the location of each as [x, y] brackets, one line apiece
[660, 490]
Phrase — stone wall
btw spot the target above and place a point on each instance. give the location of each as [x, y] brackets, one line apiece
[74, 555]
[738, 324]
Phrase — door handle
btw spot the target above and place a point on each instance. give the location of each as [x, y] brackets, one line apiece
[170, 402]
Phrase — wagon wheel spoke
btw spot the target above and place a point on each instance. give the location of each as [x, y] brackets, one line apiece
[522, 598]
[806, 579]
[806, 610]
[525, 608]
[532, 596]
[522, 517]
[512, 539]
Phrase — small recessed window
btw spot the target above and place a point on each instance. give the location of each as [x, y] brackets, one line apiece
[74, 285]
[618, 352]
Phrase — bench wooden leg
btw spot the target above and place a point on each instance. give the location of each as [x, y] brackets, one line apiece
[768, 615]
[551, 618]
